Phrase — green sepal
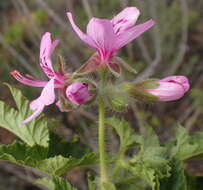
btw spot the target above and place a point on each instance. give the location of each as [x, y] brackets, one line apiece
[123, 64]
[117, 99]
[139, 90]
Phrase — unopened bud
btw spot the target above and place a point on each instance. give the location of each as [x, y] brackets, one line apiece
[78, 93]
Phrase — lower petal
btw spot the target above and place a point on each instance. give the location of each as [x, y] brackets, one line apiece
[29, 80]
[34, 115]
[46, 98]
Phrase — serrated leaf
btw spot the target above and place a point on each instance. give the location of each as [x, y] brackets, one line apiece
[131, 183]
[22, 154]
[59, 165]
[36, 132]
[55, 183]
[60, 146]
[125, 132]
[92, 183]
[151, 164]
[186, 146]
[109, 186]
[177, 181]
[36, 157]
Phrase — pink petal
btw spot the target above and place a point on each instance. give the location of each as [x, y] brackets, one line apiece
[78, 93]
[46, 98]
[168, 91]
[30, 81]
[46, 49]
[81, 35]
[53, 46]
[102, 33]
[125, 19]
[132, 33]
[182, 80]
[45, 43]
[34, 115]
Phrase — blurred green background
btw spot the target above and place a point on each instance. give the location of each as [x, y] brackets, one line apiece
[173, 47]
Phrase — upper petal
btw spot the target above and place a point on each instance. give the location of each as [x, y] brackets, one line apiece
[182, 80]
[168, 91]
[125, 19]
[46, 49]
[132, 33]
[101, 31]
[81, 35]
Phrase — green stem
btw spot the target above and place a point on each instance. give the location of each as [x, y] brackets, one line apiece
[102, 154]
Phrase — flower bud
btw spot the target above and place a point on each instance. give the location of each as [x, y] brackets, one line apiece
[170, 88]
[78, 93]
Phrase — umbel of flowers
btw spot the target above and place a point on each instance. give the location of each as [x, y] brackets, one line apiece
[72, 90]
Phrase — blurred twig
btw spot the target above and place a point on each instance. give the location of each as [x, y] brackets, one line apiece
[139, 118]
[144, 50]
[19, 11]
[192, 119]
[32, 23]
[183, 42]
[18, 56]
[52, 13]
[19, 173]
[87, 8]
[149, 71]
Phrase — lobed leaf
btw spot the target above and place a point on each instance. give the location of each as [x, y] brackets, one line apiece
[125, 132]
[55, 183]
[185, 146]
[36, 132]
[37, 157]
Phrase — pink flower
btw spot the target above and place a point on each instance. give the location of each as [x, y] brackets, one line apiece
[56, 81]
[78, 93]
[170, 88]
[108, 36]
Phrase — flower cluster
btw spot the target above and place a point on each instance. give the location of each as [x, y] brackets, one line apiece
[107, 37]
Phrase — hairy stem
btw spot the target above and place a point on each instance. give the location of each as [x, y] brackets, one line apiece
[102, 141]
[102, 153]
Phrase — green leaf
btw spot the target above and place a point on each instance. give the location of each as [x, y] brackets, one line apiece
[92, 183]
[151, 164]
[36, 132]
[36, 157]
[109, 186]
[22, 154]
[131, 183]
[60, 146]
[178, 180]
[59, 165]
[186, 146]
[55, 183]
[125, 132]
